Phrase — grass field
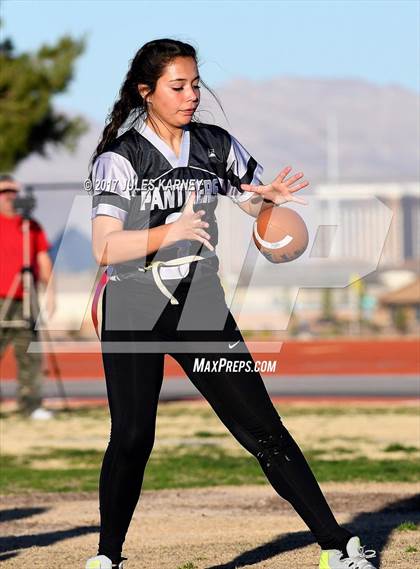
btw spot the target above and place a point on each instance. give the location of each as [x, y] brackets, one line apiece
[193, 448]
[206, 504]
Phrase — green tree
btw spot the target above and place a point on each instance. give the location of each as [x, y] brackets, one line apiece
[28, 82]
[400, 319]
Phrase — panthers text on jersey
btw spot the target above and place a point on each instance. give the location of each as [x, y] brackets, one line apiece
[139, 180]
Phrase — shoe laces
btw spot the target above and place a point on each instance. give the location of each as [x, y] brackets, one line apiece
[360, 562]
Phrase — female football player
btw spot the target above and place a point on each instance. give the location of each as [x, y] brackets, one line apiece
[156, 178]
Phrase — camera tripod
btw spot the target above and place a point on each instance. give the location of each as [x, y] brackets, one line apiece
[30, 305]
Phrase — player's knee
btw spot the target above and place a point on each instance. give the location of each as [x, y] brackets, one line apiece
[272, 447]
[135, 442]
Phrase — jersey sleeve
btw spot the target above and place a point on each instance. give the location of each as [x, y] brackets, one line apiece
[112, 178]
[241, 168]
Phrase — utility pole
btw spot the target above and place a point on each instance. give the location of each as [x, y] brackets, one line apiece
[332, 148]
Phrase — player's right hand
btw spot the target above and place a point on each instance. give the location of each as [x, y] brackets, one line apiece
[190, 225]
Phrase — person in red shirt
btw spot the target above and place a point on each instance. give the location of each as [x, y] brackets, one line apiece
[29, 391]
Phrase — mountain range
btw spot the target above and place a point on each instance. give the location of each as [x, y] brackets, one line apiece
[353, 130]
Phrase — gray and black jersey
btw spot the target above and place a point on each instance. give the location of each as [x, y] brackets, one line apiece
[139, 180]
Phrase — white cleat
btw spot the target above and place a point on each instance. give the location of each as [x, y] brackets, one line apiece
[41, 414]
[357, 557]
[102, 562]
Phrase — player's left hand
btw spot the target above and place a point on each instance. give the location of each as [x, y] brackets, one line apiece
[280, 191]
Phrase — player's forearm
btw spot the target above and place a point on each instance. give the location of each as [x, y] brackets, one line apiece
[126, 245]
[48, 282]
[45, 272]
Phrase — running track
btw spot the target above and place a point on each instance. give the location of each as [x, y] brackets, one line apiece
[311, 369]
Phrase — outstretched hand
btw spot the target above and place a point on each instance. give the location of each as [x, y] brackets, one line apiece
[280, 191]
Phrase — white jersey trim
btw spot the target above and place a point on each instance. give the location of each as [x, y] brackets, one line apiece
[108, 209]
[238, 159]
[165, 149]
[113, 168]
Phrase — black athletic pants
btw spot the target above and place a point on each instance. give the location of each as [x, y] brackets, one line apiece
[134, 379]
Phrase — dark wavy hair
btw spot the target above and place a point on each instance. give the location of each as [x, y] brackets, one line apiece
[146, 67]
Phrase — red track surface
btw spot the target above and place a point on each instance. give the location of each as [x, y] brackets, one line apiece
[314, 357]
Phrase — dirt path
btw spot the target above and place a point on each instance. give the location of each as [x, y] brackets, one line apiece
[223, 528]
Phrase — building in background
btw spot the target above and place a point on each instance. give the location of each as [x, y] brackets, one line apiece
[403, 306]
[362, 220]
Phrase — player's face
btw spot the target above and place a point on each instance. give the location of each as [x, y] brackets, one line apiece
[177, 93]
[7, 200]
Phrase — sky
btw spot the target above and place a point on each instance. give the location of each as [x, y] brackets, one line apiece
[372, 40]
